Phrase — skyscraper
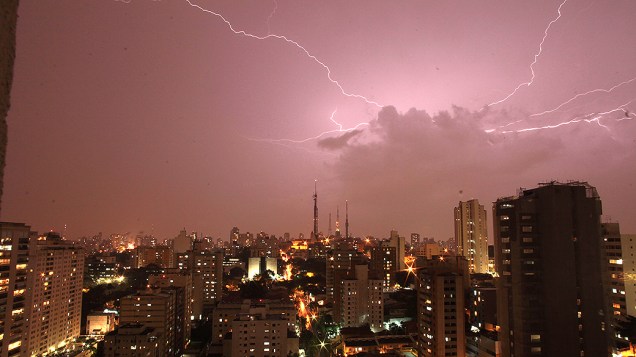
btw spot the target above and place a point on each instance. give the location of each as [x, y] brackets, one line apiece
[176, 278]
[399, 243]
[471, 235]
[207, 269]
[55, 287]
[361, 299]
[384, 261]
[314, 233]
[628, 243]
[14, 265]
[548, 254]
[614, 277]
[337, 222]
[346, 219]
[441, 291]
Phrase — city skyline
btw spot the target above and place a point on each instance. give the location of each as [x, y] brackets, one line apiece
[153, 116]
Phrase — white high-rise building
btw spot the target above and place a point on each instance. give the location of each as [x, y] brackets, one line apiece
[471, 235]
[55, 287]
[361, 300]
[14, 303]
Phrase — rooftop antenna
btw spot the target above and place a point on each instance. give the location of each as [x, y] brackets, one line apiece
[315, 232]
[347, 219]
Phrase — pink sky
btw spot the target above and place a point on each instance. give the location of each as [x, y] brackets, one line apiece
[154, 115]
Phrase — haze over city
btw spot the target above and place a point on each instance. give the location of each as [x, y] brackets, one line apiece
[156, 115]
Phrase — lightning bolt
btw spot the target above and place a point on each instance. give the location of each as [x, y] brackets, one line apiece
[587, 118]
[300, 141]
[584, 94]
[271, 15]
[292, 42]
[536, 58]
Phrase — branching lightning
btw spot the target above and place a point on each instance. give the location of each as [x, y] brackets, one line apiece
[587, 118]
[290, 41]
[590, 118]
[300, 141]
[271, 15]
[536, 58]
[584, 94]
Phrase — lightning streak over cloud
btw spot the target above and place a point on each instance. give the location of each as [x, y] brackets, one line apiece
[290, 41]
[536, 58]
[587, 118]
[300, 141]
[584, 94]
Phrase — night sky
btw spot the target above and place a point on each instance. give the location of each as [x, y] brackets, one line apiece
[155, 115]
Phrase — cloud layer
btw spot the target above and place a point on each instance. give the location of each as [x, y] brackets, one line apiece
[409, 169]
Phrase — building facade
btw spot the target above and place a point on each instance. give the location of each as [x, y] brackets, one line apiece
[614, 283]
[55, 286]
[157, 310]
[14, 302]
[471, 235]
[132, 340]
[548, 255]
[628, 244]
[259, 334]
[442, 286]
[361, 300]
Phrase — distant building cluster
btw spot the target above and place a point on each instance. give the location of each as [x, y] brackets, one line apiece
[551, 279]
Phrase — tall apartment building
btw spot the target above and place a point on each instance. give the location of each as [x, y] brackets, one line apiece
[207, 269]
[155, 309]
[384, 260]
[182, 280]
[628, 244]
[361, 300]
[56, 276]
[614, 283]
[339, 261]
[415, 239]
[548, 253]
[260, 333]
[399, 243]
[471, 235]
[14, 302]
[442, 286]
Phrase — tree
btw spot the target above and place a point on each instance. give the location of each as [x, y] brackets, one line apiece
[253, 289]
[237, 273]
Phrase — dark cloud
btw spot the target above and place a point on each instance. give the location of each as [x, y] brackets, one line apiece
[407, 169]
[338, 142]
